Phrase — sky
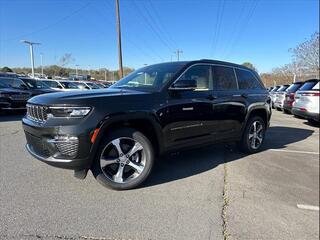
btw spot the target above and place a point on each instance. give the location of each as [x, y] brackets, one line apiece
[257, 31]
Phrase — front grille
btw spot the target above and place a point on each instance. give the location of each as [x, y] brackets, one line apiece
[37, 145]
[20, 96]
[37, 113]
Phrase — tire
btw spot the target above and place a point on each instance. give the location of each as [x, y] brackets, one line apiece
[313, 122]
[286, 111]
[127, 167]
[246, 144]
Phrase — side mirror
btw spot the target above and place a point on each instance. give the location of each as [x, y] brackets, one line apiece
[184, 85]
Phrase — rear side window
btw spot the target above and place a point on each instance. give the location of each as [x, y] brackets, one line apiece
[293, 87]
[247, 80]
[308, 86]
[52, 84]
[224, 78]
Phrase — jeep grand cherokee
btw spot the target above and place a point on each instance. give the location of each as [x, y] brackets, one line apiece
[119, 131]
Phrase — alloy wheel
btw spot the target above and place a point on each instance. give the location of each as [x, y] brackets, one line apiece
[256, 135]
[122, 160]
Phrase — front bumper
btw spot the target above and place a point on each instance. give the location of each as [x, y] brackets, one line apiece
[305, 114]
[44, 144]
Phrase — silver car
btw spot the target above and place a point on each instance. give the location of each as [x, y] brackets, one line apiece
[279, 97]
[306, 102]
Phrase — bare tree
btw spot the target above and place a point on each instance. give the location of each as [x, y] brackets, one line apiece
[306, 54]
[66, 59]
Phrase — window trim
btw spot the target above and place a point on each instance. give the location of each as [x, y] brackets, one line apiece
[254, 76]
[193, 65]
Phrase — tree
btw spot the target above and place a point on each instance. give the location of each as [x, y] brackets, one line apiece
[66, 59]
[6, 69]
[306, 54]
[249, 65]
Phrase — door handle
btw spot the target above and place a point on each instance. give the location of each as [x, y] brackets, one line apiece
[211, 97]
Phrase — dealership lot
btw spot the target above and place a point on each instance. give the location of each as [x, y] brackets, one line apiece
[183, 199]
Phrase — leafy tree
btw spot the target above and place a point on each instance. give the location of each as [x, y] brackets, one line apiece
[249, 65]
[6, 69]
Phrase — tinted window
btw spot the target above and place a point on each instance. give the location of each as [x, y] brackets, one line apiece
[247, 80]
[316, 87]
[201, 74]
[308, 85]
[33, 84]
[69, 85]
[293, 87]
[224, 78]
[13, 82]
[52, 84]
[275, 89]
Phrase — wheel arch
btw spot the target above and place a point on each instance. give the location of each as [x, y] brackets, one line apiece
[142, 121]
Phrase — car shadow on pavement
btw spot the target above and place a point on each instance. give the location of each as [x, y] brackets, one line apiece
[11, 116]
[172, 167]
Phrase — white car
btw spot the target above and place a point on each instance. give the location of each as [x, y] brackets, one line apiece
[61, 85]
[306, 102]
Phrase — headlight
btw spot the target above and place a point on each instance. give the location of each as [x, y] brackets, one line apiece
[68, 112]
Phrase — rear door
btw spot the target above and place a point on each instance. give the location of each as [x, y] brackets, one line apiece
[228, 105]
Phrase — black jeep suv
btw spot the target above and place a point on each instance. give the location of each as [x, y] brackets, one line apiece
[118, 132]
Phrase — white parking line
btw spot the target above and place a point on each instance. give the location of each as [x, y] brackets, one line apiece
[293, 151]
[308, 207]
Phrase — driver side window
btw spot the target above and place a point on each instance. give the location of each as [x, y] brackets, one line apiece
[201, 74]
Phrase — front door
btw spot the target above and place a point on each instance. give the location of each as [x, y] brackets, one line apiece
[190, 112]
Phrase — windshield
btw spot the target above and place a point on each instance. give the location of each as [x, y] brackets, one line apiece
[308, 85]
[152, 77]
[69, 85]
[13, 83]
[35, 84]
[294, 87]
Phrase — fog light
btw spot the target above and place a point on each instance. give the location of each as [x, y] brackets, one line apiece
[66, 145]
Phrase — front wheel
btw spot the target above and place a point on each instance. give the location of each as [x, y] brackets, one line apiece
[253, 135]
[124, 160]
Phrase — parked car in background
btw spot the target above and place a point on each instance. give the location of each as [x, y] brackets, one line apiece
[62, 85]
[279, 97]
[306, 102]
[272, 95]
[81, 85]
[36, 87]
[289, 96]
[92, 85]
[12, 98]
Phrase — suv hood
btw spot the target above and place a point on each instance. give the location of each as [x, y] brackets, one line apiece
[81, 97]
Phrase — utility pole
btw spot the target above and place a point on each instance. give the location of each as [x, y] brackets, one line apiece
[178, 52]
[31, 53]
[105, 74]
[119, 39]
[77, 70]
[41, 60]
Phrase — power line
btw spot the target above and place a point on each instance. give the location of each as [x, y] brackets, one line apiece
[217, 25]
[160, 23]
[243, 26]
[151, 27]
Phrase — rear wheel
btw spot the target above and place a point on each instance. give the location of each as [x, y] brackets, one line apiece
[253, 135]
[286, 111]
[124, 160]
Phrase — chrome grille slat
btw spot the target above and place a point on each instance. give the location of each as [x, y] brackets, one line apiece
[37, 113]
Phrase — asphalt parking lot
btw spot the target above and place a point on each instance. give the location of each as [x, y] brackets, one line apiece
[209, 193]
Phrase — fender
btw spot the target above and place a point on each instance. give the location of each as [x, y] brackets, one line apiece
[125, 117]
[258, 106]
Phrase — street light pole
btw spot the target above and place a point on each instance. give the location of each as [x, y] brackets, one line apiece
[31, 53]
[119, 40]
[41, 59]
